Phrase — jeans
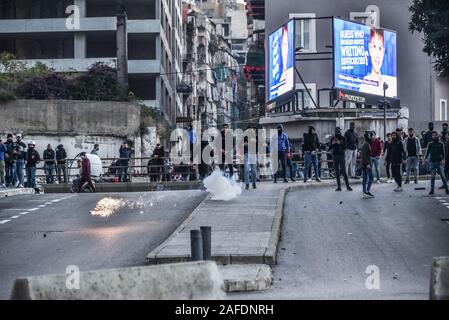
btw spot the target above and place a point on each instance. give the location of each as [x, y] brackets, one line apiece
[123, 171]
[351, 161]
[2, 172]
[396, 170]
[375, 161]
[281, 158]
[340, 169]
[61, 170]
[435, 167]
[10, 174]
[19, 171]
[31, 176]
[367, 179]
[49, 170]
[308, 157]
[250, 164]
[412, 163]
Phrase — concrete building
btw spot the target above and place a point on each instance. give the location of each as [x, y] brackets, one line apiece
[420, 89]
[70, 39]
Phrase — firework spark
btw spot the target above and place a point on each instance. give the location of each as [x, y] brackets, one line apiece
[107, 206]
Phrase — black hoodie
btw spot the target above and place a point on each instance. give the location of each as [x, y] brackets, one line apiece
[61, 154]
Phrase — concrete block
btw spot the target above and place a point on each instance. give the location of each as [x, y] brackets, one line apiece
[439, 279]
[181, 281]
[251, 277]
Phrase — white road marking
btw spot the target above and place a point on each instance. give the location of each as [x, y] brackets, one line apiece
[34, 209]
[47, 203]
[4, 221]
[42, 206]
[438, 198]
[444, 203]
[14, 217]
[24, 213]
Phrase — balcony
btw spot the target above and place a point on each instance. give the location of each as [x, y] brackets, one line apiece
[184, 87]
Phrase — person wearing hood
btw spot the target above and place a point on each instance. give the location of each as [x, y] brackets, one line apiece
[398, 157]
[49, 157]
[427, 138]
[12, 151]
[32, 158]
[22, 147]
[283, 147]
[95, 149]
[61, 168]
[338, 148]
[85, 175]
[311, 146]
[365, 164]
[435, 156]
[352, 142]
[2, 164]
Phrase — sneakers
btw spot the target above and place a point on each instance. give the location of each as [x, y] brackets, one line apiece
[285, 180]
[431, 193]
[367, 195]
[441, 188]
[349, 188]
[318, 180]
[20, 186]
[338, 189]
[398, 189]
[2, 185]
[406, 182]
[378, 182]
[390, 181]
[293, 179]
[309, 180]
[247, 187]
[254, 185]
[416, 181]
[370, 194]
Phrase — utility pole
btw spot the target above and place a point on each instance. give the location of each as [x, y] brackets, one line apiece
[122, 49]
[385, 102]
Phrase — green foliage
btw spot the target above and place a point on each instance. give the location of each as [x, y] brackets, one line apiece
[431, 17]
[153, 117]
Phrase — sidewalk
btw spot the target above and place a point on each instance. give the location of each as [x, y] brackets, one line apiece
[14, 192]
[244, 230]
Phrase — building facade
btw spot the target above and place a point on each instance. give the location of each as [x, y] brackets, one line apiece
[420, 89]
[71, 35]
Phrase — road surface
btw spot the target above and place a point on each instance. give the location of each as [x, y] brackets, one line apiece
[43, 234]
[329, 240]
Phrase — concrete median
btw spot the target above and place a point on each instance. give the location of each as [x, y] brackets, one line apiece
[181, 281]
[439, 279]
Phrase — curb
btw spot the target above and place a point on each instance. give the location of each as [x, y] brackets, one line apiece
[16, 192]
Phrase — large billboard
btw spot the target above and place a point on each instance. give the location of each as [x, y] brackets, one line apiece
[364, 59]
[281, 62]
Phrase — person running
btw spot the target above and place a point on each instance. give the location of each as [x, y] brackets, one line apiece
[376, 152]
[365, 164]
[283, 149]
[412, 147]
[397, 159]
[311, 147]
[32, 158]
[352, 142]
[338, 148]
[435, 156]
[387, 155]
[85, 175]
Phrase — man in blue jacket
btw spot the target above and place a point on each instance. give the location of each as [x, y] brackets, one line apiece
[283, 150]
[2, 164]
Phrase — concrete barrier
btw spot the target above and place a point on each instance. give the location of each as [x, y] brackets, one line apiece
[181, 281]
[4, 193]
[439, 279]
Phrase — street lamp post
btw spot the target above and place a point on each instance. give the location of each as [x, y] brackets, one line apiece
[385, 87]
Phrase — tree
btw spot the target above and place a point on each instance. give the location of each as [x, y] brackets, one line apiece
[431, 17]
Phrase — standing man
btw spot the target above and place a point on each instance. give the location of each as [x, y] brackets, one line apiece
[365, 164]
[61, 158]
[412, 147]
[95, 149]
[158, 161]
[125, 155]
[397, 159]
[227, 152]
[22, 147]
[376, 152]
[427, 138]
[2, 164]
[10, 160]
[291, 166]
[435, 156]
[85, 173]
[338, 148]
[311, 147]
[444, 133]
[283, 149]
[387, 159]
[352, 143]
[32, 158]
[49, 157]
[250, 151]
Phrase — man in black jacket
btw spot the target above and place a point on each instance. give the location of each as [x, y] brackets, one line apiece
[158, 162]
[32, 158]
[428, 135]
[61, 157]
[397, 159]
[20, 163]
[338, 148]
[49, 165]
[227, 150]
[435, 155]
[311, 147]
[352, 142]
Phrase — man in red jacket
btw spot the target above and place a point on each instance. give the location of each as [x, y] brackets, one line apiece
[376, 152]
[85, 175]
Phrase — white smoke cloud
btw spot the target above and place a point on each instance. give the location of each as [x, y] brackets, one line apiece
[220, 187]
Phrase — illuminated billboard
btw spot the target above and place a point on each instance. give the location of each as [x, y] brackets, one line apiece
[281, 62]
[364, 59]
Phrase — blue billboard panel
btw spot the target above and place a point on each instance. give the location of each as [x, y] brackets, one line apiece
[365, 58]
[281, 61]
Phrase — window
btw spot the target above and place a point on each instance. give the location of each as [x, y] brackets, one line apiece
[308, 103]
[370, 17]
[443, 110]
[305, 31]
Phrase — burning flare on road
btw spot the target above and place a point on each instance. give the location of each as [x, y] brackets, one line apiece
[107, 206]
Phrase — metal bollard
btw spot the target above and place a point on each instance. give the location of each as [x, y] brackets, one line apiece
[206, 233]
[196, 245]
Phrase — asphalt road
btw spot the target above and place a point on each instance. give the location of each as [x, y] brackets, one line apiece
[43, 234]
[329, 239]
